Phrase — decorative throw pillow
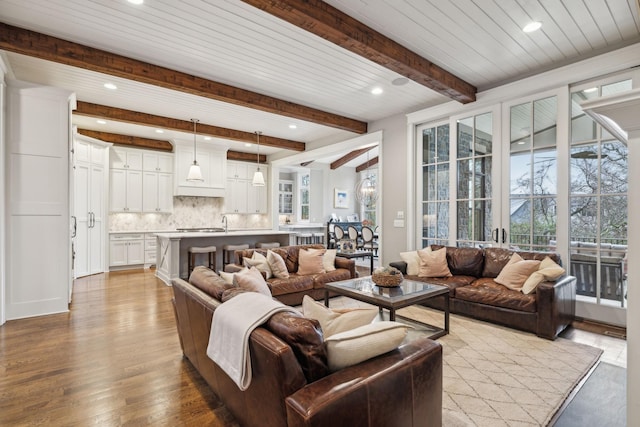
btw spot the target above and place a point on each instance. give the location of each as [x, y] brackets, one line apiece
[310, 261]
[277, 265]
[357, 345]
[333, 322]
[228, 277]
[208, 281]
[548, 270]
[433, 263]
[251, 280]
[258, 261]
[516, 272]
[329, 260]
[413, 262]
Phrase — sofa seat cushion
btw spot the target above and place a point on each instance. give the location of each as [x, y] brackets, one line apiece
[294, 283]
[452, 282]
[487, 291]
[331, 276]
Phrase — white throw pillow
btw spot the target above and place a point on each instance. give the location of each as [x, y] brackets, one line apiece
[277, 265]
[228, 277]
[333, 322]
[329, 260]
[413, 262]
[433, 263]
[260, 262]
[251, 280]
[357, 345]
[548, 270]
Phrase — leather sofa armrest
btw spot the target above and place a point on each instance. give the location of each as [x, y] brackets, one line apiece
[556, 306]
[349, 264]
[400, 265]
[376, 390]
[232, 268]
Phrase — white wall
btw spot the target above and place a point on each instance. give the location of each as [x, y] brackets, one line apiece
[393, 176]
[343, 178]
[633, 295]
[3, 270]
[317, 197]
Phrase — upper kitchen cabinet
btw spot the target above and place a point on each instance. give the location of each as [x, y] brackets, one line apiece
[125, 158]
[157, 162]
[213, 164]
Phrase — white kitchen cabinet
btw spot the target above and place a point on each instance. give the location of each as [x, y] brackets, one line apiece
[89, 205]
[157, 162]
[238, 170]
[125, 158]
[149, 249]
[126, 249]
[213, 164]
[157, 192]
[241, 196]
[256, 199]
[125, 192]
[235, 199]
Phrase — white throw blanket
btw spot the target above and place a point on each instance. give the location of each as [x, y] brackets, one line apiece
[232, 323]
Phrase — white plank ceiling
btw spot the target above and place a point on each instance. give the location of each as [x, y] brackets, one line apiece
[231, 42]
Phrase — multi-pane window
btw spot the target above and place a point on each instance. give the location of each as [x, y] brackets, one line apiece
[435, 185]
[474, 168]
[304, 184]
[368, 210]
[598, 201]
[533, 174]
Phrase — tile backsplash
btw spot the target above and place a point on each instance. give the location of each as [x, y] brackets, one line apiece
[188, 212]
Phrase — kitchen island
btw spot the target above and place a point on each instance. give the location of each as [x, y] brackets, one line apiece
[172, 247]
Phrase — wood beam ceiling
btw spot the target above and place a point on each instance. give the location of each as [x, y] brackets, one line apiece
[366, 165]
[348, 157]
[339, 28]
[157, 144]
[135, 117]
[31, 43]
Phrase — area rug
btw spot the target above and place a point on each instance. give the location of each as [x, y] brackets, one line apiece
[495, 376]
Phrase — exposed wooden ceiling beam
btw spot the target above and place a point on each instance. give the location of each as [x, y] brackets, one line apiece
[339, 28]
[31, 43]
[367, 165]
[157, 144]
[348, 157]
[305, 164]
[130, 141]
[128, 116]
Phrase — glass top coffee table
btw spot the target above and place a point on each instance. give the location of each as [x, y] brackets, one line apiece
[409, 292]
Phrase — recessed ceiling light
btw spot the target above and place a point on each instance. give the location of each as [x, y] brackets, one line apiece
[207, 138]
[400, 81]
[532, 26]
[376, 90]
[590, 90]
[110, 86]
[248, 144]
[159, 131]
[101, 122]
[293, 126]
[136, 1]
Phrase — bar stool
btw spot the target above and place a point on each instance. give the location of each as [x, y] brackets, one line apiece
[194, 250]
[228, 251]
[304, 238]
[268, 245]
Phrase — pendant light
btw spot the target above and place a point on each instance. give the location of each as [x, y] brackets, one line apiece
[366, 192]
[258, 178]
[195, 174]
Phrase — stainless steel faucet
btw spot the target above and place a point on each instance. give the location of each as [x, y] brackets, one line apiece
[226, 224]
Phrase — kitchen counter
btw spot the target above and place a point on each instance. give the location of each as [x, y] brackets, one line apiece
[172, 247]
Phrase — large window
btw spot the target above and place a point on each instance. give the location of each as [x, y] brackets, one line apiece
[598, 201]
[368, 211]
[435, 185]
[304, 183]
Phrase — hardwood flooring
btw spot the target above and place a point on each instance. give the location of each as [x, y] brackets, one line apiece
[115, 360]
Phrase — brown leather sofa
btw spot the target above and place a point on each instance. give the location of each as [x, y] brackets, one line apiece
[400, 388]
[291, 291]
[474, 293]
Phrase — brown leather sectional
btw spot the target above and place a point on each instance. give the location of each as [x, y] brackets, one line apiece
[474, 293]
[291, 291]
[291, 384]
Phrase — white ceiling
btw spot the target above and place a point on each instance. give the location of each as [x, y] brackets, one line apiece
[231, 42]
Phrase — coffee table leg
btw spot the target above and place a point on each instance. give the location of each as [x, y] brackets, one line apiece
[446, 312]
[326, 298]
[371, 257]
[392, 314]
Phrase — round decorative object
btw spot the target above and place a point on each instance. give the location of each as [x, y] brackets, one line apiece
[387, 277]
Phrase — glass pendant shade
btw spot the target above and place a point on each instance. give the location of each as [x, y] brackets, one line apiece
[366, 193]
[195, 174]
[258, 178]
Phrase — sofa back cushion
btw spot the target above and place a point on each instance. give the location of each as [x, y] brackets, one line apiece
[464, 261]
[496, 258]
[304, 336]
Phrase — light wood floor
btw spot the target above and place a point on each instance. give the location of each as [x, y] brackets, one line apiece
[115, 360]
